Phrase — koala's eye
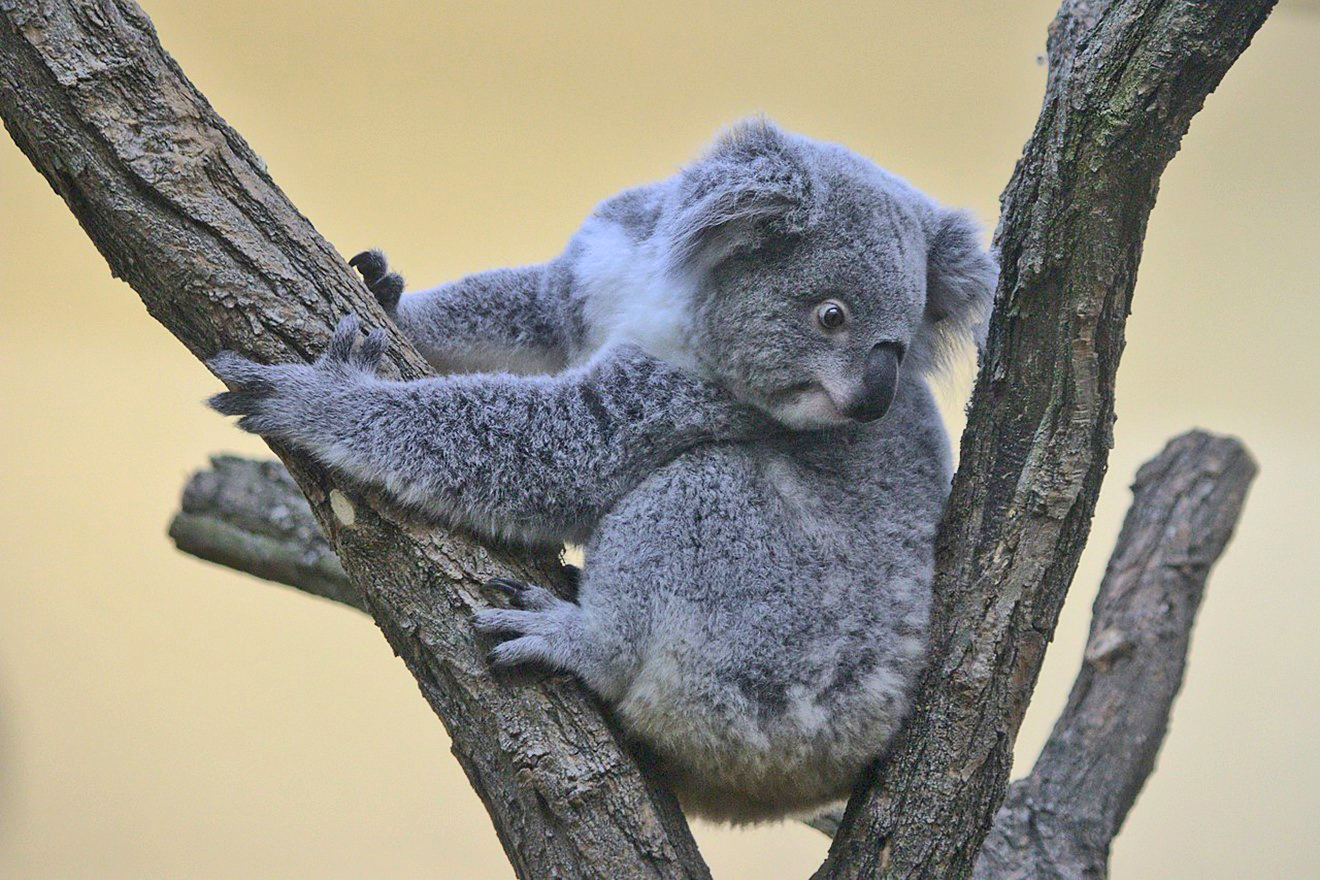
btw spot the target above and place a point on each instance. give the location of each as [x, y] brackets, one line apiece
[831, 315]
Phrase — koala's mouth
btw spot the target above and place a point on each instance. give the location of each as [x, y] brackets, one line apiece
[804, 406]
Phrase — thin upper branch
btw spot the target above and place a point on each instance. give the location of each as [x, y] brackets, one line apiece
[185, 211]
[1126, 77]
[1059, 821]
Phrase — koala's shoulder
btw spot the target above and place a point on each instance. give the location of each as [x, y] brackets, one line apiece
[634, 212]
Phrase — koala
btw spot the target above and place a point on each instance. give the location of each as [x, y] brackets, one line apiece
[721, 390]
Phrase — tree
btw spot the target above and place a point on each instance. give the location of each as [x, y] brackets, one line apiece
[184, 211]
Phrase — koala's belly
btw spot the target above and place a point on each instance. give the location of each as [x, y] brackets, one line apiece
[754, 661]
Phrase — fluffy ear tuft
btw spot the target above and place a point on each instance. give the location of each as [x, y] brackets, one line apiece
[750, 184]
[960, 287]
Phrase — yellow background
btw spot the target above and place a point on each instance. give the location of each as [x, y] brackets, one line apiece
[163, 718]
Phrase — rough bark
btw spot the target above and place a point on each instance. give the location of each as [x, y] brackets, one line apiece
[1125, 79]
[1059, 821]
[185, 211]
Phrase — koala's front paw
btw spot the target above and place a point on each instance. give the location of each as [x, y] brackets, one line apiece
[289, 401]
[386, 285]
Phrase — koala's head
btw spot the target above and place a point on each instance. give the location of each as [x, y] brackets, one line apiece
[819, 276]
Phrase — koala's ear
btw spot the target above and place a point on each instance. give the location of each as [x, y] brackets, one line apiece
[749, 186]
[960, 284]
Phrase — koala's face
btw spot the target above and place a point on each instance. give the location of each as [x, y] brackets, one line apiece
[812, 328]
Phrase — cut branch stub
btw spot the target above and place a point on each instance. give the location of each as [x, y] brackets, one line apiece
[250, 516]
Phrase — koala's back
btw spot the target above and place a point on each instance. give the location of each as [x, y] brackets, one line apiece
[769, 606]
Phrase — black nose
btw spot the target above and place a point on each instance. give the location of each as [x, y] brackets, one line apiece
[879, 380]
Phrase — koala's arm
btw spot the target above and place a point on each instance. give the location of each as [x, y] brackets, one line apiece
[538, 459]
[504, 320]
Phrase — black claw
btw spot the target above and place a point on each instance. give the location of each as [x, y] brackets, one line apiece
[516, 590]
[371, 265]
[507, 586]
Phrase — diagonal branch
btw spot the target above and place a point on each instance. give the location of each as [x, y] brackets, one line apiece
[1059, 821]
[1126, 77]
[183, 210]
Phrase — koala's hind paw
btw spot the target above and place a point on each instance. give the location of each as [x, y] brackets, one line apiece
[540, 628]
[387, 286]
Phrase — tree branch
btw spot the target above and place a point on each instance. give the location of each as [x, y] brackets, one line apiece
[184, 211]
[1126, 77]
[1059, 821]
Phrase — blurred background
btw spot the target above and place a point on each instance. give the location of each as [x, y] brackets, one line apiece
[160, 717]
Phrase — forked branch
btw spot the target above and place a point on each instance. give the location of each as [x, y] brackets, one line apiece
[183, 210]
[1125, 79]
[1059, 821]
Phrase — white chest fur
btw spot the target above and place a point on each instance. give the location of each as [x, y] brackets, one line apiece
[629, 297]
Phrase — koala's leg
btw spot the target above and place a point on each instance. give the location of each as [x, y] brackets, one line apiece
[535, 459]
[543, 630]
[505, 320]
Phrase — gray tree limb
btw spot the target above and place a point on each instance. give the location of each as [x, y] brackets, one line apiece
[1125, 79]
[184, 211]
[1059, 821]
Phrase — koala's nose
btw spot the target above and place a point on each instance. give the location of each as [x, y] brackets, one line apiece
[879, 381]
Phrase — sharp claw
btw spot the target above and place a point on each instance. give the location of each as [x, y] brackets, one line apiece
[507, 586]
[370, 264]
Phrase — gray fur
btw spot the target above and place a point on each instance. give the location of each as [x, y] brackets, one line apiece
[755, 600]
